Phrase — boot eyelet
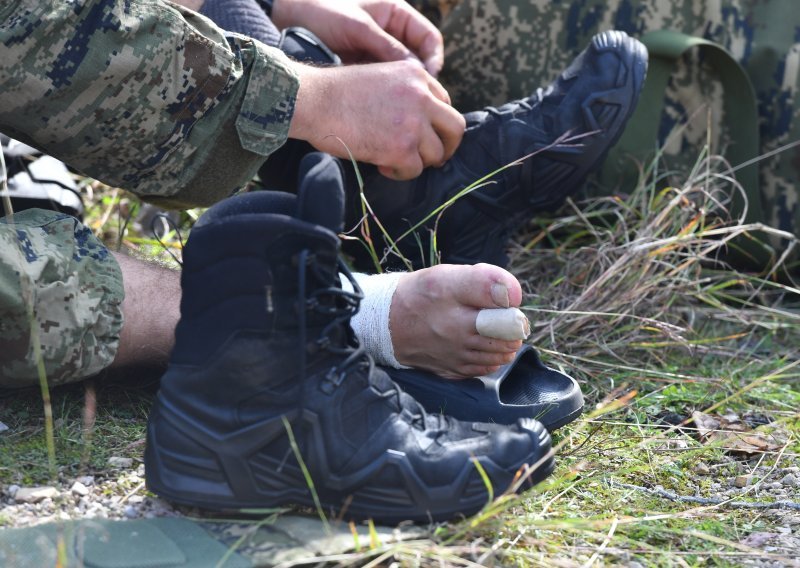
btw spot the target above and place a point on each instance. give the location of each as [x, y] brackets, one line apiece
[333, 378]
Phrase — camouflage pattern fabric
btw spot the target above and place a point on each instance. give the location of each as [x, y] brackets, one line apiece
[496, 50]
[50, 261]
[143, 95]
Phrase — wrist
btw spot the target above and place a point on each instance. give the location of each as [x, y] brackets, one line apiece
[310, 104]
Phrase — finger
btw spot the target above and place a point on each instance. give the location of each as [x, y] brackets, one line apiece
[449, 125]
[418, 34]
[382, 46]
[438, 90]
[431, 148]
[405, 169]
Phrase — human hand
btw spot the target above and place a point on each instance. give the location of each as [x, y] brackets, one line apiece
[393, 115]
[367, 30]
[433, 314]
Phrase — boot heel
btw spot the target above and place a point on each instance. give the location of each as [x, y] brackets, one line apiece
[181, 469]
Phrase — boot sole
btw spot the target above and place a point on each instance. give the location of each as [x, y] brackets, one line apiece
[199, 469]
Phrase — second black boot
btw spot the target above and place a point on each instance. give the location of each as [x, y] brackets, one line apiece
[568, 126]
[266, 372]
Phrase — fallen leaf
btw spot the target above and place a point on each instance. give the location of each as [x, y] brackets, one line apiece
[757, 539]
[736, 437]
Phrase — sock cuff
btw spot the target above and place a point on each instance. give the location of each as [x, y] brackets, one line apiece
[371, 323]
[244, 17]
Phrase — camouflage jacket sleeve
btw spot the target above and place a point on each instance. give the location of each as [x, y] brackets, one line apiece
[143, 95]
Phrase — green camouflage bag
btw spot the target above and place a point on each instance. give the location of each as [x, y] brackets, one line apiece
[732, 65]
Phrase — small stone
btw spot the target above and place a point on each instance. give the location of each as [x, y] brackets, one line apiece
[131, 512]
[789, 481]
[135, 499]
[87, 480]
[34, 494]
[702, 469]
[120, 462]
[742, 481]
[79, 489]
[3, 428]
[12, 490]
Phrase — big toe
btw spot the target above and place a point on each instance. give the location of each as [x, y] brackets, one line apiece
[485, 286]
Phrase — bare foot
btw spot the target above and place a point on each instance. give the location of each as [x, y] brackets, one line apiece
[432, 319]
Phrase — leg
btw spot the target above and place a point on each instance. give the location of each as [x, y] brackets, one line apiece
[151, 310]
[242, 16]
[264, 370]
[62, 287]
[591, 102]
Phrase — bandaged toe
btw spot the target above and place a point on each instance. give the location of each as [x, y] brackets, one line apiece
[509, 324]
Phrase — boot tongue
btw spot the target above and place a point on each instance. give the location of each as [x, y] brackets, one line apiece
[320, 194]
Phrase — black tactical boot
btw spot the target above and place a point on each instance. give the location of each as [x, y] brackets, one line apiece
[264, 352]
[591, 100]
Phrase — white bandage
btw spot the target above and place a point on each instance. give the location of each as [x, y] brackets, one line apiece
[509, 324]
[371, 322]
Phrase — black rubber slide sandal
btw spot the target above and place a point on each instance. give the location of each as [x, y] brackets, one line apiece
[524, 388]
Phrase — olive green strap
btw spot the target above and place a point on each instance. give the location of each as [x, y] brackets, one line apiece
[101, 543]
[740, 107]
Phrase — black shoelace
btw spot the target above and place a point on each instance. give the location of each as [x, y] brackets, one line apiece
[341, 305]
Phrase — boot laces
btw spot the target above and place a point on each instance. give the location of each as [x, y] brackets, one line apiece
[519, 105]
[340, 305]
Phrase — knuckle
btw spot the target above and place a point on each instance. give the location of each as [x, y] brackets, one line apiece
[405, 144]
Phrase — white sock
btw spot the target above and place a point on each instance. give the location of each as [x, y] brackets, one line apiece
[371, 323]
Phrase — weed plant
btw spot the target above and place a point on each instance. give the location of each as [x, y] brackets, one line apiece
[637, 297]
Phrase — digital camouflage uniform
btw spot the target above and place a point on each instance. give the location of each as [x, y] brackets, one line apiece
[142, 95]
[177, 100]
[497, 50]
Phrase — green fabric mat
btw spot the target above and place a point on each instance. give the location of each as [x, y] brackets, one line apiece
[180, 542]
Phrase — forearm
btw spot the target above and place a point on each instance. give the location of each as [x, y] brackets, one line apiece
[154, 99]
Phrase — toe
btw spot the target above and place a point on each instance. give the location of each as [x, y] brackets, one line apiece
[486, 286]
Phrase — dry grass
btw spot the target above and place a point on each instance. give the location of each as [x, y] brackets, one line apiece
[635, 298]
[640, 281]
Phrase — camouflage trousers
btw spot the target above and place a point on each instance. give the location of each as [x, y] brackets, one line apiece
[60, 300]
[498, 50]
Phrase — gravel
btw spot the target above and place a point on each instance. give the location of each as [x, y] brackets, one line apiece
[118, 493]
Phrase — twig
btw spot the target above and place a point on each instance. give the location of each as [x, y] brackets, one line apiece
[604, 544]
[661, 492]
